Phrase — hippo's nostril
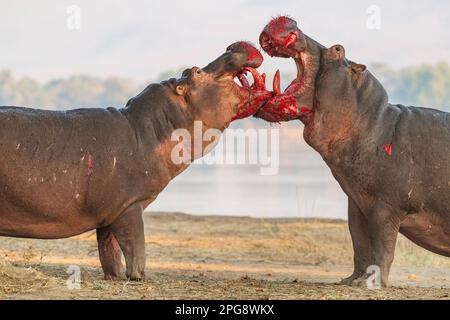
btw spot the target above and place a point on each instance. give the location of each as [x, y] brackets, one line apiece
[265, 40]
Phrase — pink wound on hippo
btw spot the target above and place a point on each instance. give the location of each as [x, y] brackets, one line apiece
[388, 148]
[90, 165]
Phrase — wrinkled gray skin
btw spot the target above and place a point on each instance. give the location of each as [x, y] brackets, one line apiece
[65, 173]
[407, 191]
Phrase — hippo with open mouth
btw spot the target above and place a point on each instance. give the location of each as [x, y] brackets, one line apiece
[63, 173]
[392, 161]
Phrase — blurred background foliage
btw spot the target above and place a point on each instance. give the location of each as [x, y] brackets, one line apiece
[423, 85]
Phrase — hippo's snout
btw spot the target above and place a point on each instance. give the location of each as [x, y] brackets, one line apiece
[237, 57]
[246, 54]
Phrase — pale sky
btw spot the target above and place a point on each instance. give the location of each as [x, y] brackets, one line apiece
[139, 39]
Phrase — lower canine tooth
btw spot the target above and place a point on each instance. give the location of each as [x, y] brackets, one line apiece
[276, 83]
[243, 80]
[259, 82]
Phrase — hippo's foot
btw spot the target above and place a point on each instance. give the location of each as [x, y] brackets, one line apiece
[355, 282]
[357, 279]
[114, 277]
[361, 281]
[136, 276]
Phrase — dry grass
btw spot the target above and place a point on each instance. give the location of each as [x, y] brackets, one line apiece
[218, 257]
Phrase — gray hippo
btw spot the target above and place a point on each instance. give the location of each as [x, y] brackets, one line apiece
[392, 161]
[63, 173]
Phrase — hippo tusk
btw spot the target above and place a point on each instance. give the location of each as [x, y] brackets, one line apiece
[258, 79]
[276, 83]
[243, 80]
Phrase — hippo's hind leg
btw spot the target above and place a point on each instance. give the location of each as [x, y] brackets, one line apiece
[110, 254]
[362, 248]
[128, 229]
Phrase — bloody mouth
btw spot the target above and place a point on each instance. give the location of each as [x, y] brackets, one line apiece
[283, 105]
[253, 96]
[286, 51]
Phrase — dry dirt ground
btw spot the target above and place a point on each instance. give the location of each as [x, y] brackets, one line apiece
[202, 257]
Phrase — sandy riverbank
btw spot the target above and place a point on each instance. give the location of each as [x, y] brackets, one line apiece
[206, 257]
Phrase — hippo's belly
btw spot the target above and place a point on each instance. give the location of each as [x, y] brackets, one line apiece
[428, 230]
[19, 222]
[43, 229]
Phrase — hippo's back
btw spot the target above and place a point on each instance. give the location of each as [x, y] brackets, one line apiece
[43, 139]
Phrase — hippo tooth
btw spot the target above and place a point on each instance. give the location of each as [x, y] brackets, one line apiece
[243, 80]
[276, 83]
[259, 83]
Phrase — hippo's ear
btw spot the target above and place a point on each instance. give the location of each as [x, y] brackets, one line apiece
[357, 68]
[180, 89]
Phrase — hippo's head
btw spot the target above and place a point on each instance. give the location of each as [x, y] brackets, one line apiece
[282, 38]
[342, 84]
[338, 78]
[211, 94]
[347, 97]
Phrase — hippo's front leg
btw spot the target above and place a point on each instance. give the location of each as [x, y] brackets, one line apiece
[128, 229]
[374, 236]
[384, 225]
[359, 231]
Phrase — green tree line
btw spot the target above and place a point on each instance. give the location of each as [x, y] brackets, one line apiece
[424, 85]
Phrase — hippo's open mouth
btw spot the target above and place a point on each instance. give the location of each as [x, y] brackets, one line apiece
[240, 79]
[284, 106]
[296, 84]
[241, 59]
[282, 38]
[254, 96]
[284, 48]
[259, 81]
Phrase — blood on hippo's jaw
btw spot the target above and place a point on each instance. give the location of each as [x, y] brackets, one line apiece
[251, 97]
[282, 38]
[254, 96]
[283, 106]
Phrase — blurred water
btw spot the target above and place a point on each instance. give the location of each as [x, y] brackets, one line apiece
[303, 187]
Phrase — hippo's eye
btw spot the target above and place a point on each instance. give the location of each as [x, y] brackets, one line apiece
[338, 49]
[199, 71]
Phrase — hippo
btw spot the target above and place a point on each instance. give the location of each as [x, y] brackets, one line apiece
[63, 173]
[392, 161]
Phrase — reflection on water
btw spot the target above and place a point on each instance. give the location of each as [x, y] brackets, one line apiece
[303, 187]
